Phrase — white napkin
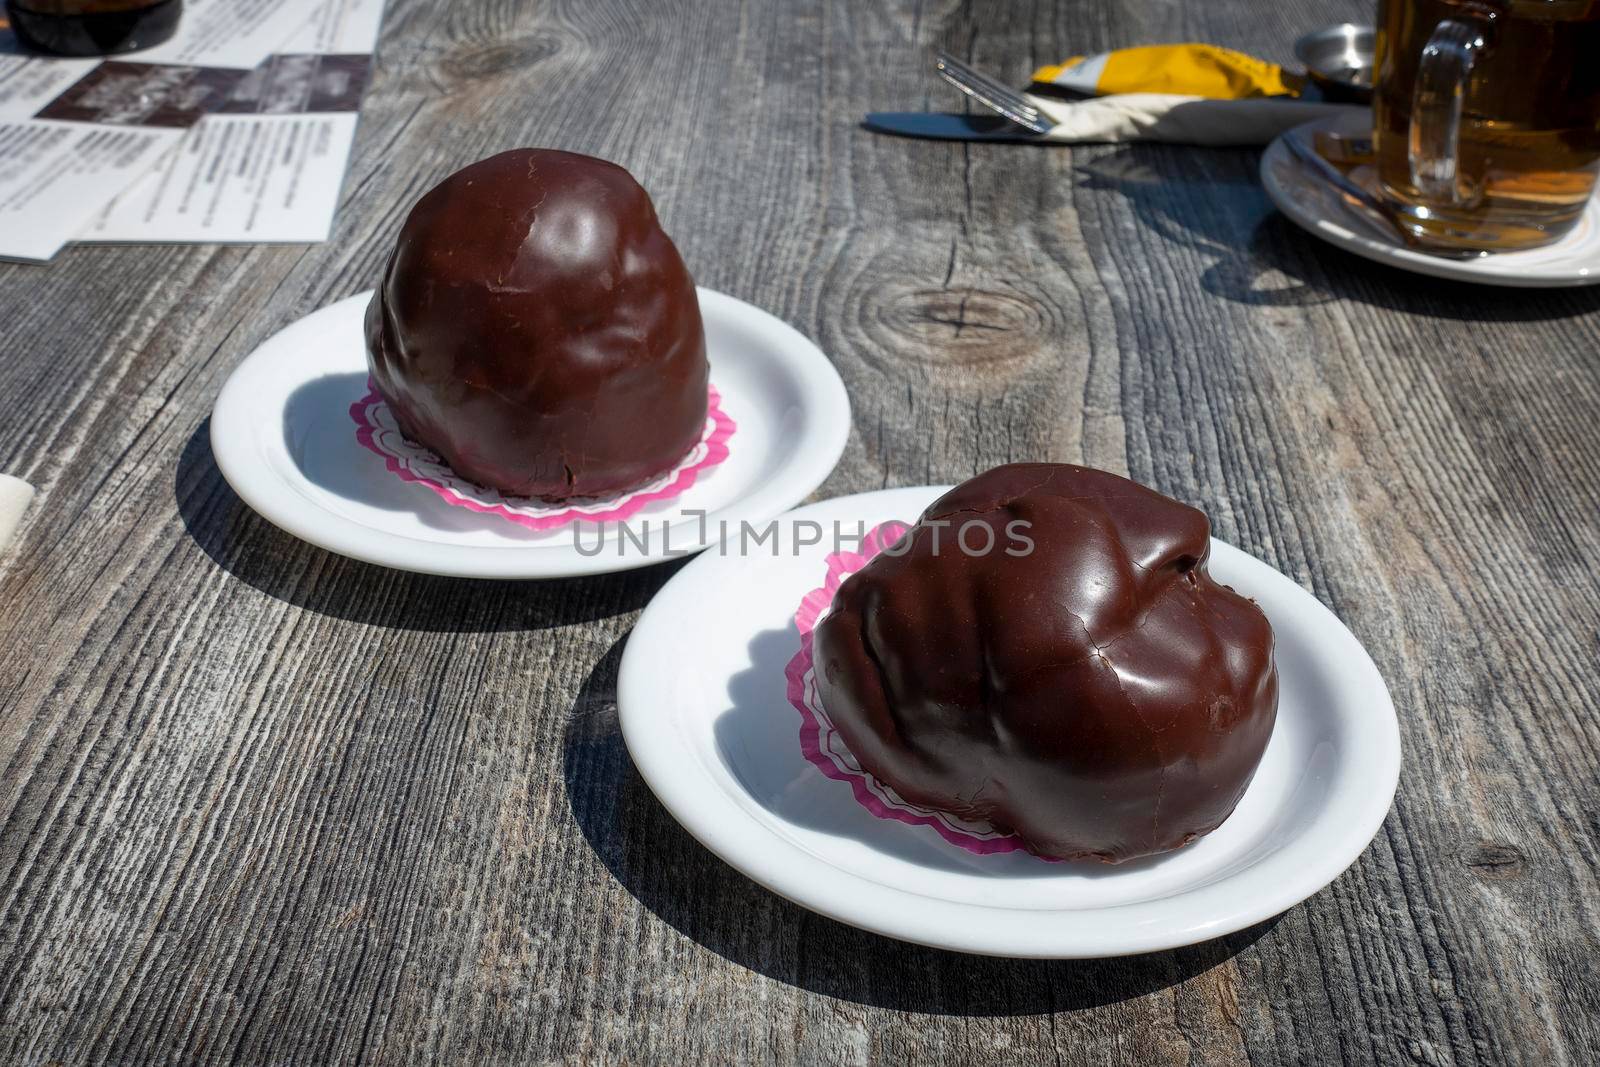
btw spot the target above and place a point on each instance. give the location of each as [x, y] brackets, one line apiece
[15, 495]
[1179, 119]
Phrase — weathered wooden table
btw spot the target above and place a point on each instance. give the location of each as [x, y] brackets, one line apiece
[262, 803]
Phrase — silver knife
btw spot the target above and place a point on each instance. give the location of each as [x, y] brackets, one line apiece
[950, 126]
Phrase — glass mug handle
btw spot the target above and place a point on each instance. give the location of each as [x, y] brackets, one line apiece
[1436, 105]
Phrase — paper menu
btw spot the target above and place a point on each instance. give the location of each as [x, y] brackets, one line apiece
[230, 33]
[50, 171]
[340, 27]
[267, 166]
[238, 129]
[236, 178]
[28, 84]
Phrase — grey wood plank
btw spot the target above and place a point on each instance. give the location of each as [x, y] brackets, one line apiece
[264, 804]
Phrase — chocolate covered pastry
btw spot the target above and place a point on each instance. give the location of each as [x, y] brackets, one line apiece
[1084, 683]
[538, 330]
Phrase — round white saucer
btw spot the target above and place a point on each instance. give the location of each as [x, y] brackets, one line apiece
[284, 440]
[1308, 199]
[703, 706]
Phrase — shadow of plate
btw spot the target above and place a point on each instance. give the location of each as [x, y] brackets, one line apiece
[262, 556]
[704, 899]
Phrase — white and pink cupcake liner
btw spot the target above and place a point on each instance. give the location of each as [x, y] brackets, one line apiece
[825, 748]
[378, 431]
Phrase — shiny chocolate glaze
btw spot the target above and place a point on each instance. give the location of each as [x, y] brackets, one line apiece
[1100, 696]
[537, 328]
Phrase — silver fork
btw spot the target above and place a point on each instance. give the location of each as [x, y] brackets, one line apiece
[993, 94]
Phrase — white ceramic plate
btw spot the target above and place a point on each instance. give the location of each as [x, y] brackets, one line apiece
[283, 438]
[703, 704]
[1308, 199]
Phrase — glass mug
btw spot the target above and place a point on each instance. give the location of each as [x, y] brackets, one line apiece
[93, 27]
[1486, 118]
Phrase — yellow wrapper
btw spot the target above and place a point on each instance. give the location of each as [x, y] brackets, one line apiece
[1187, 69]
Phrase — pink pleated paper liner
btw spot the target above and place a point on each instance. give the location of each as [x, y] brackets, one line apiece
[826, 750]
[377, 430]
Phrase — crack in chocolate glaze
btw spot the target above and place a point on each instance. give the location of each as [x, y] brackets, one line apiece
[1076, 691]
[1155, 739]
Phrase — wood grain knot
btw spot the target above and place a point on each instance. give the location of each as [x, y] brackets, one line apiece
[965, 327]
[1494, 861]
[488, 62]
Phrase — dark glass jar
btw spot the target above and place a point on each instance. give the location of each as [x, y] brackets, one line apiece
[93, 27]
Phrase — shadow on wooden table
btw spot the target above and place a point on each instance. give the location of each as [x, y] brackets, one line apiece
[679, 881]
[259, 554]
[1277, 248]
[1211, 201]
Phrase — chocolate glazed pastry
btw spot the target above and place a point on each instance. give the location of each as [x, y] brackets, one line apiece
[1099, 696]
[537, 328]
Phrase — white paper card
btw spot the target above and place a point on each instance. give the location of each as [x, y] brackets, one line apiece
[256, 178]
[259, 97]
[268, 165]
[55, 175]
[230, 33]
